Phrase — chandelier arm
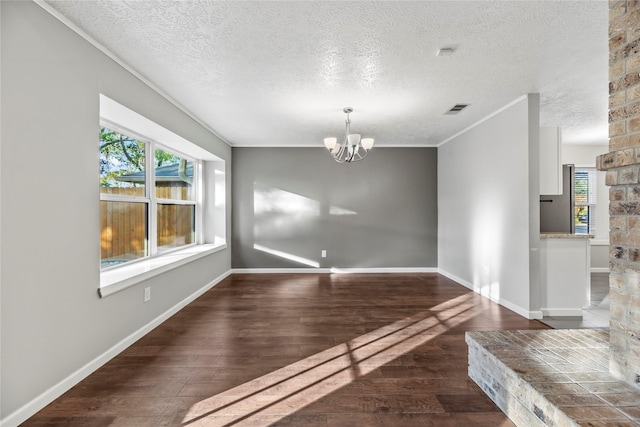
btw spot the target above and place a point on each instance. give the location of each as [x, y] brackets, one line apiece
[354, 151]
[338, 157]
[361, 154]
[365, 152]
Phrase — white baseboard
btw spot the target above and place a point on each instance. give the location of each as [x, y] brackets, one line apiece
[29, 409]
[599, 269]
[338, 270]
[279, 270]
[335, 270]
[573, 312]
[528, 314]
[457, 279]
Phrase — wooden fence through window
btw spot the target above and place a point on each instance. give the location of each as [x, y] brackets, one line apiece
[123, 225]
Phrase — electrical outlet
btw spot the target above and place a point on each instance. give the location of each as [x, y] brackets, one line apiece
[147, 294]
[324, 253]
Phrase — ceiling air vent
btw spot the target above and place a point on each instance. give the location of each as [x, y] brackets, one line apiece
[457, 108]
[445, 51]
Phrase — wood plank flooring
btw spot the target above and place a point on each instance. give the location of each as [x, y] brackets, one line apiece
[300, 350]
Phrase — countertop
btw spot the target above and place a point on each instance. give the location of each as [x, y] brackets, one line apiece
[562, 235]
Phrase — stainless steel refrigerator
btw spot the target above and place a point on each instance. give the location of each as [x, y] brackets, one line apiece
[557, 211]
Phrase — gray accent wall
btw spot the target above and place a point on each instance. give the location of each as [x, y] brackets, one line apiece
[291, 203]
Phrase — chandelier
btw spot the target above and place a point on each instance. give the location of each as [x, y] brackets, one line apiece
[353, 148]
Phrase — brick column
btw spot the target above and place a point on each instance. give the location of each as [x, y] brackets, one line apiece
[622, 164]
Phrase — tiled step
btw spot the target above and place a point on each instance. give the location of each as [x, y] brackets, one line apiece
[552, 378]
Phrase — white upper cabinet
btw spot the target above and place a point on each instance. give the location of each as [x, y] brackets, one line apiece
[550, 160]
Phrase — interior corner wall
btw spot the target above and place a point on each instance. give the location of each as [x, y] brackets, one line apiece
[484, 207]
[289, 204]
[52, 321]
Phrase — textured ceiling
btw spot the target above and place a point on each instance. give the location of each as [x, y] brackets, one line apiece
[279, 73]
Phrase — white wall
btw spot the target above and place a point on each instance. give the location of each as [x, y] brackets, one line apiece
[52, 321]
[486, 216]
[585, 156]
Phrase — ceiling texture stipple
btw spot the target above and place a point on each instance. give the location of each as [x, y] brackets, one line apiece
[279, 73]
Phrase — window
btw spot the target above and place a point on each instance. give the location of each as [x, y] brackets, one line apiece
[162, 199]
[584, 182]
[147, 202]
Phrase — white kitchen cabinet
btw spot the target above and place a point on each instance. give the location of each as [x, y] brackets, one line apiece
[550, 160]
[565, 278]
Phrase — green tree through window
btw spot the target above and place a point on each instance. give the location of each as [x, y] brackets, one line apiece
[122, 155]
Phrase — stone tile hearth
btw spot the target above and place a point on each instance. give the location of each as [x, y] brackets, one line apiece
[552, 378]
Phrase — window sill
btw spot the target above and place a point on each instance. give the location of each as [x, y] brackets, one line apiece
[118, 279]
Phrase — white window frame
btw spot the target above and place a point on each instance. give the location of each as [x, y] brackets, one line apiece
[150, 198]
[210, 235]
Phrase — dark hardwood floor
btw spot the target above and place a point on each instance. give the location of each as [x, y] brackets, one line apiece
[300, 350]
